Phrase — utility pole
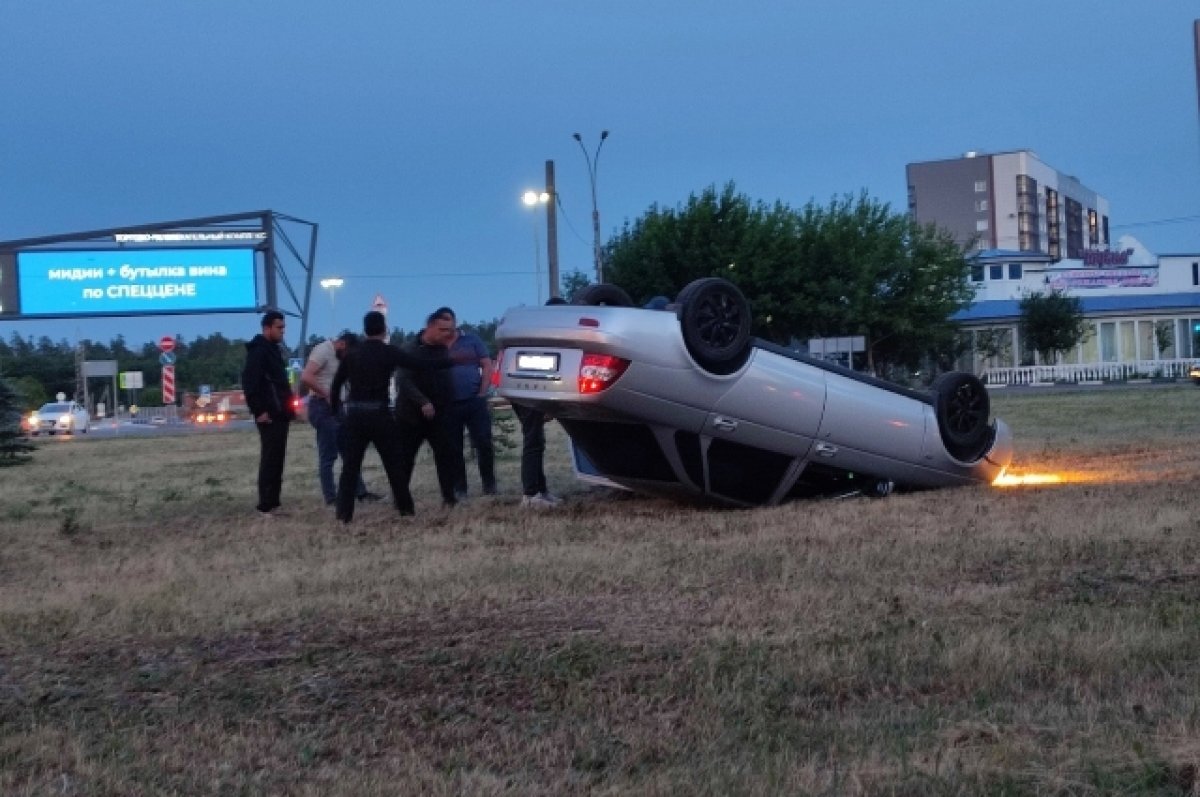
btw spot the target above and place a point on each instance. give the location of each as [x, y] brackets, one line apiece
[552, 231]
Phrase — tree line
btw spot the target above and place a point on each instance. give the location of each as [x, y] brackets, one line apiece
[37, 370]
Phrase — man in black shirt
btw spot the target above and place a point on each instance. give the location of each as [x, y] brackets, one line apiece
[422, 401]
[369, 420]
[269, 398]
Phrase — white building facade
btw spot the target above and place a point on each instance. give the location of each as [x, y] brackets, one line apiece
[1142, 313]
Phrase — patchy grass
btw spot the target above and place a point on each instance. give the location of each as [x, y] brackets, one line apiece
[157, 637]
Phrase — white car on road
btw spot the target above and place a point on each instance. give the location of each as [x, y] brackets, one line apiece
[63, 417]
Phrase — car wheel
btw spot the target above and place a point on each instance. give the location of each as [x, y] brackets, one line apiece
[962, 406]
[715, 320]
[602, 293]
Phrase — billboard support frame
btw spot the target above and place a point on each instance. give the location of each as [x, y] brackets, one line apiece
[287, 269]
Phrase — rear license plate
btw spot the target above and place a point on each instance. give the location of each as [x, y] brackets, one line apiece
[542, 362]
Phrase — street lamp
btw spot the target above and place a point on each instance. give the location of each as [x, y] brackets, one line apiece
[331, 284]
[592, 162]
[532, 199]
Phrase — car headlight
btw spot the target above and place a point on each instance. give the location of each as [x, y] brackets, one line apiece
[65, 420]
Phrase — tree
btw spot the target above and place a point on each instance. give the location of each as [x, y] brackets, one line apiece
[30, 393]
[852, 267]
[572, 281]
[1051, 323]
[14, 449]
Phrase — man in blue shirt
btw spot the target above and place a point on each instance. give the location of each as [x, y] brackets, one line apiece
[471, 377]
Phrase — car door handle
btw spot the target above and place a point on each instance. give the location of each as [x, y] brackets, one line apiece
[826, 450]
[724, 424]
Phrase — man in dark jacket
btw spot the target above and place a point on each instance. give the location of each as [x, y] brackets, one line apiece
[269, 398]
[369, 420]
[422, 399]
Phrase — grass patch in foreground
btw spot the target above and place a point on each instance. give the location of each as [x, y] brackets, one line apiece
[155, 637]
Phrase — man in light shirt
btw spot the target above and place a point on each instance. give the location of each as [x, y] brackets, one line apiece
[318, 378]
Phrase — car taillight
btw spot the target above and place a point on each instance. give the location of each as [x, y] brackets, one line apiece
[296, 403]
[496, 370]
[598, 372]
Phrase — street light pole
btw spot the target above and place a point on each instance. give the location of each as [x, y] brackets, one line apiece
[532, 199]
[592, 163]
[331, 284]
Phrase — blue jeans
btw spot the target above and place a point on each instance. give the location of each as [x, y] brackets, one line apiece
[330, 444]
[475, 415]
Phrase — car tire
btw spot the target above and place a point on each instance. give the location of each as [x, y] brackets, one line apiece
[715, 320]
[602, 293]
[962, 406]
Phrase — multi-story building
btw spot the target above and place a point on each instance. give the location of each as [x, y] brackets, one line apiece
[1011, 201]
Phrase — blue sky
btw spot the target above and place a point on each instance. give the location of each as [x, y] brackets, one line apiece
[409, 130]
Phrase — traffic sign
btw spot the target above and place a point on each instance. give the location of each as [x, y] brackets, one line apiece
[166, 358]
[166, 343]
[379, 304]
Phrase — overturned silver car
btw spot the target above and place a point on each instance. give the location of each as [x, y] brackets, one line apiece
[685, 402]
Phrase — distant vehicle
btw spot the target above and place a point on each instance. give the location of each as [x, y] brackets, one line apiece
[61, 417]
[1194, 374]
[683, 402]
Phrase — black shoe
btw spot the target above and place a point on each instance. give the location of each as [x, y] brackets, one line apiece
[370, 498]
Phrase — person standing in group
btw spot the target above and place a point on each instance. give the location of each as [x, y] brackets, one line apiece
[422, 399]
[471, 377]
[368, 369]
[318, 378]
[270, 401]
[533, 449]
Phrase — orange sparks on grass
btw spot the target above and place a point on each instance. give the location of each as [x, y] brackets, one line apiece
[1006, 479]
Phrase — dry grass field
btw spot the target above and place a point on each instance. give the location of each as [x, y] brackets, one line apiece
[156, 637]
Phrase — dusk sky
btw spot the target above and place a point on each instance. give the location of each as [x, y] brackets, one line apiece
[409, 130]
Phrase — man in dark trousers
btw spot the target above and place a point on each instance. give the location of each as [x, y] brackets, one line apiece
[533, 451]
[318, 378]
[369, 420]
[422, 398]
[471, 378]
[269, 398]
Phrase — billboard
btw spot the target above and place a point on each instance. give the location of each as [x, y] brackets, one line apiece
[127, 282]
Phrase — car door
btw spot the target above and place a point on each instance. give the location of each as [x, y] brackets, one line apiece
[763, 427]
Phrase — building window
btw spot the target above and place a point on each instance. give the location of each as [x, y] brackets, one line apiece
[976, 272]
[996, 272]
[1195, 273]
[1014, 271]
[981, 186]
[981, 225]
[1108, 342]
[980, 205]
